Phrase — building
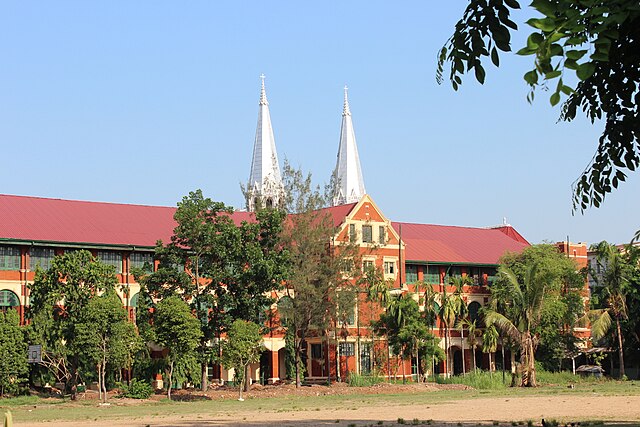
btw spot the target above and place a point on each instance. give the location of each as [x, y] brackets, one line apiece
[33, 230]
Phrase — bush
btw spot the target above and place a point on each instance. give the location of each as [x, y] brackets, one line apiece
[480, 380]
[564, 378]
[136, 389]
[356, 380]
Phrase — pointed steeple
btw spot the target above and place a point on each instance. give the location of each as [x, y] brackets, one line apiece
[265, 186]
[347, 175]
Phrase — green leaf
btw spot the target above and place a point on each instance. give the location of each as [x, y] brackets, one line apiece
[494, 57]
[525, 51]
[545, 24]
[575, 54]
[599, 56]
[575, 41]
[531, 77]
[553, 74]
[567, 90]
[556, 50]
[571, 64]
[480, 74]
[556, 36]
[586, 70]
[513, 4]
[555, 98]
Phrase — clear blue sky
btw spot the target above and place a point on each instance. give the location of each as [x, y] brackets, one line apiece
[141, 102]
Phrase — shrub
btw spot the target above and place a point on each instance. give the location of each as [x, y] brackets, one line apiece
[480, 380]
[356, 380]
[136, 389]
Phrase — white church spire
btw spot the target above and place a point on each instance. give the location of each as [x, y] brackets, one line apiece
[265, 183]
[348, 175]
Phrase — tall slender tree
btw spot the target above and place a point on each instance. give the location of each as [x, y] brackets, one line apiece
[612, 274]
[178, 331]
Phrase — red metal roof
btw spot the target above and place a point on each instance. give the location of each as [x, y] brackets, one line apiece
[73, 221]
[339, 213]
[96, 223]
[442, 243]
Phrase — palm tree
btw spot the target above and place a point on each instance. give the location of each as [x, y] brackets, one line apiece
[516, 311]
[613, 286]
[451, 305]
[377, 292]
[490, 343]
[472, 337]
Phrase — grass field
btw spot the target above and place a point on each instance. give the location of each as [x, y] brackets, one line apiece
[29, 409]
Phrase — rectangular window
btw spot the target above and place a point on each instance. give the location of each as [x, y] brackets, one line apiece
[41, 257]
[316, 351]
[9, 258]
[143, 261]
[352, 233]
[367, 234]
[347, 349]
[475, 274]
[367, 265]
[411, 272]
[365, 358]
[111, 258]
[432, 274]
[389, 267]
[382, 235]
[454, 271]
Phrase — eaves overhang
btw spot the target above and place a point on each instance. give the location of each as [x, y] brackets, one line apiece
[76, 245]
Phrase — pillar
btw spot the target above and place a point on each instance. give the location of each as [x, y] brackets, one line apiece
[275, 367]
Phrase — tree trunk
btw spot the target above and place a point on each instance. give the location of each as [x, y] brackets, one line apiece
[620, 348]
[104, 382]
[297, 357]
[170, 381]
[99, 381]
[514, 372]
[247, 378]
[464, 371]
[473, 353]
[204, 382]
[490, 366]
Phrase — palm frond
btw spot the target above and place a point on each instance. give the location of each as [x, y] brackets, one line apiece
[503, 324]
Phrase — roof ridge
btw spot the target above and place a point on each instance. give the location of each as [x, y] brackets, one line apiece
[442, 225]
[86, 201]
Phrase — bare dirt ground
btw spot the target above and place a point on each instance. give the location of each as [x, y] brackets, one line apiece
[484, 411]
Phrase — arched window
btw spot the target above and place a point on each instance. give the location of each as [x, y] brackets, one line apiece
[474, 311]
[8, 300]
[133, 302]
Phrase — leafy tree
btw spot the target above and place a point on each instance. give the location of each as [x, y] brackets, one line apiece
[319, 269]
[104, 336]
[242, 347]
[523, 302]
[599, 41]
[407, 331]
[535, 303]
[59, 298]
[13, 354]
[612, 275]
[179, 332]
[230, 271]
[563, 304]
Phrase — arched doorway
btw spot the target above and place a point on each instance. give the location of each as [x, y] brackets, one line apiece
[457, 360]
